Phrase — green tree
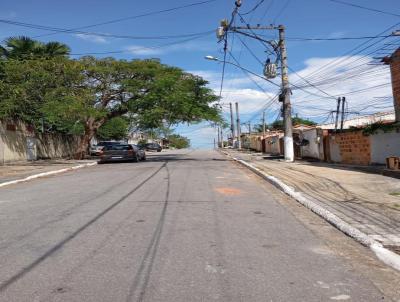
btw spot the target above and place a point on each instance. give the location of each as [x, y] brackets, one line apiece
[178, 141]
[26, 48]
[79, 96]
[114, 129]
[278, 124]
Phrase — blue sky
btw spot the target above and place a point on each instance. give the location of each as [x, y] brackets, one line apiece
[303, 19]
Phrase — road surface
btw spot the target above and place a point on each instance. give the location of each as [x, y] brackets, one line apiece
[182, 226]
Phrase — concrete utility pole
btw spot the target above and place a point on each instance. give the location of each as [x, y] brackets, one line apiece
[337, 113]
[287, 107]
[342, 120]
[218, 141]
[263, 121]
[238, 125]
[222, 138]
[232, 124]
[249, 128]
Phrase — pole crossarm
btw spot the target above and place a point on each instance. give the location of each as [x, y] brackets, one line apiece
[235, 29]
[271, 27]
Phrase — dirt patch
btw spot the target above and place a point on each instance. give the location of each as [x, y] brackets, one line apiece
[228, 191]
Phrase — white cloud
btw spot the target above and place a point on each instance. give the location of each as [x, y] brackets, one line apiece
[350, 77]
[144, 51]
[337, 76]
[141, 50]
[92, 38]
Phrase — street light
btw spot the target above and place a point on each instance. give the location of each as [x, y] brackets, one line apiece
[212, 58]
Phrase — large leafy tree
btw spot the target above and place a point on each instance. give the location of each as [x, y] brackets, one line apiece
[114, 129]
[178, 141]
[278, 124]
[81, 95]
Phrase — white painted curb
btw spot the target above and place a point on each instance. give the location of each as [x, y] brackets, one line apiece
[46, 174]
[388, 257]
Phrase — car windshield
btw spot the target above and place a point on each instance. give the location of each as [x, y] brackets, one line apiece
[106, 143]
[118, 147]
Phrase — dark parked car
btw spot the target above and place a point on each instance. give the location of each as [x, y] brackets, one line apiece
[95, 149]
[121, 152]
[153, 147]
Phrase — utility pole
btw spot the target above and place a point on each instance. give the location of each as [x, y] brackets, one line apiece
[232, 124]
[222, 138]
[263, 121]
[287, 107]
[337, 113]
[218, 142]
[342, 120]
[249, 128]
[269, 70]
[238, 125]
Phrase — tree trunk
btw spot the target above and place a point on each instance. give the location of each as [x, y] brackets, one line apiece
[90, 130]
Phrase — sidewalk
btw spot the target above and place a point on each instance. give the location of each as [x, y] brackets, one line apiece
[18, 170]
[368, 202]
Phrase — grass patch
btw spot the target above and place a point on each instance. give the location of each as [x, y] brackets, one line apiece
[395, 193]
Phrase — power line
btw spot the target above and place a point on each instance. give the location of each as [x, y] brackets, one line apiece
[139, 48]
[254, 8]
[137, 16]
[365, 8]
[336, 39]
[341, 59]
[281, 11]
[104, 35]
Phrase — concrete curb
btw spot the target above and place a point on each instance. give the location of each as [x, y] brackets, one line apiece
[44, 174]
[388, 257]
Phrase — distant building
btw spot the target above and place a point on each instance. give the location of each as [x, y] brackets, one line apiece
[362, 121]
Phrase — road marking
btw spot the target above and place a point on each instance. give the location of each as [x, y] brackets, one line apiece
[4, 201]
[228, 191]
[340, 297]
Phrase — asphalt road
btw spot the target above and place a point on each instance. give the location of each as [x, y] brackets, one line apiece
[183, 226]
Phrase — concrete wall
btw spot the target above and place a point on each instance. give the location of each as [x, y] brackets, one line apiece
[13, 142]
[384, 145]
[311, 150]
[255, 143]
[56, 145]
[272, 144]
[19, 143]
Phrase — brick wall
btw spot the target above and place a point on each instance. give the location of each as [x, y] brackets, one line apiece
[395, 71]
[353, 147]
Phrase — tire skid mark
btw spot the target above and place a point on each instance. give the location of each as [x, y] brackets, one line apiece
[142, 277]
[22, 272]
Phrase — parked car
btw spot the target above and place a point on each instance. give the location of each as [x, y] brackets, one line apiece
[140, 150]
[120, 152]
[153, 147]
[95, 149]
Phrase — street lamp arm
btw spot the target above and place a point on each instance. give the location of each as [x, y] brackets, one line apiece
[211, 58]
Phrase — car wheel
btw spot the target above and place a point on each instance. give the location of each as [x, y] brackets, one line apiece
[135, 158]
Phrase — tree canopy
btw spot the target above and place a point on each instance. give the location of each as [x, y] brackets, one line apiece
[26, 48]
[80, 96]
[179, 142]
[278, 124]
